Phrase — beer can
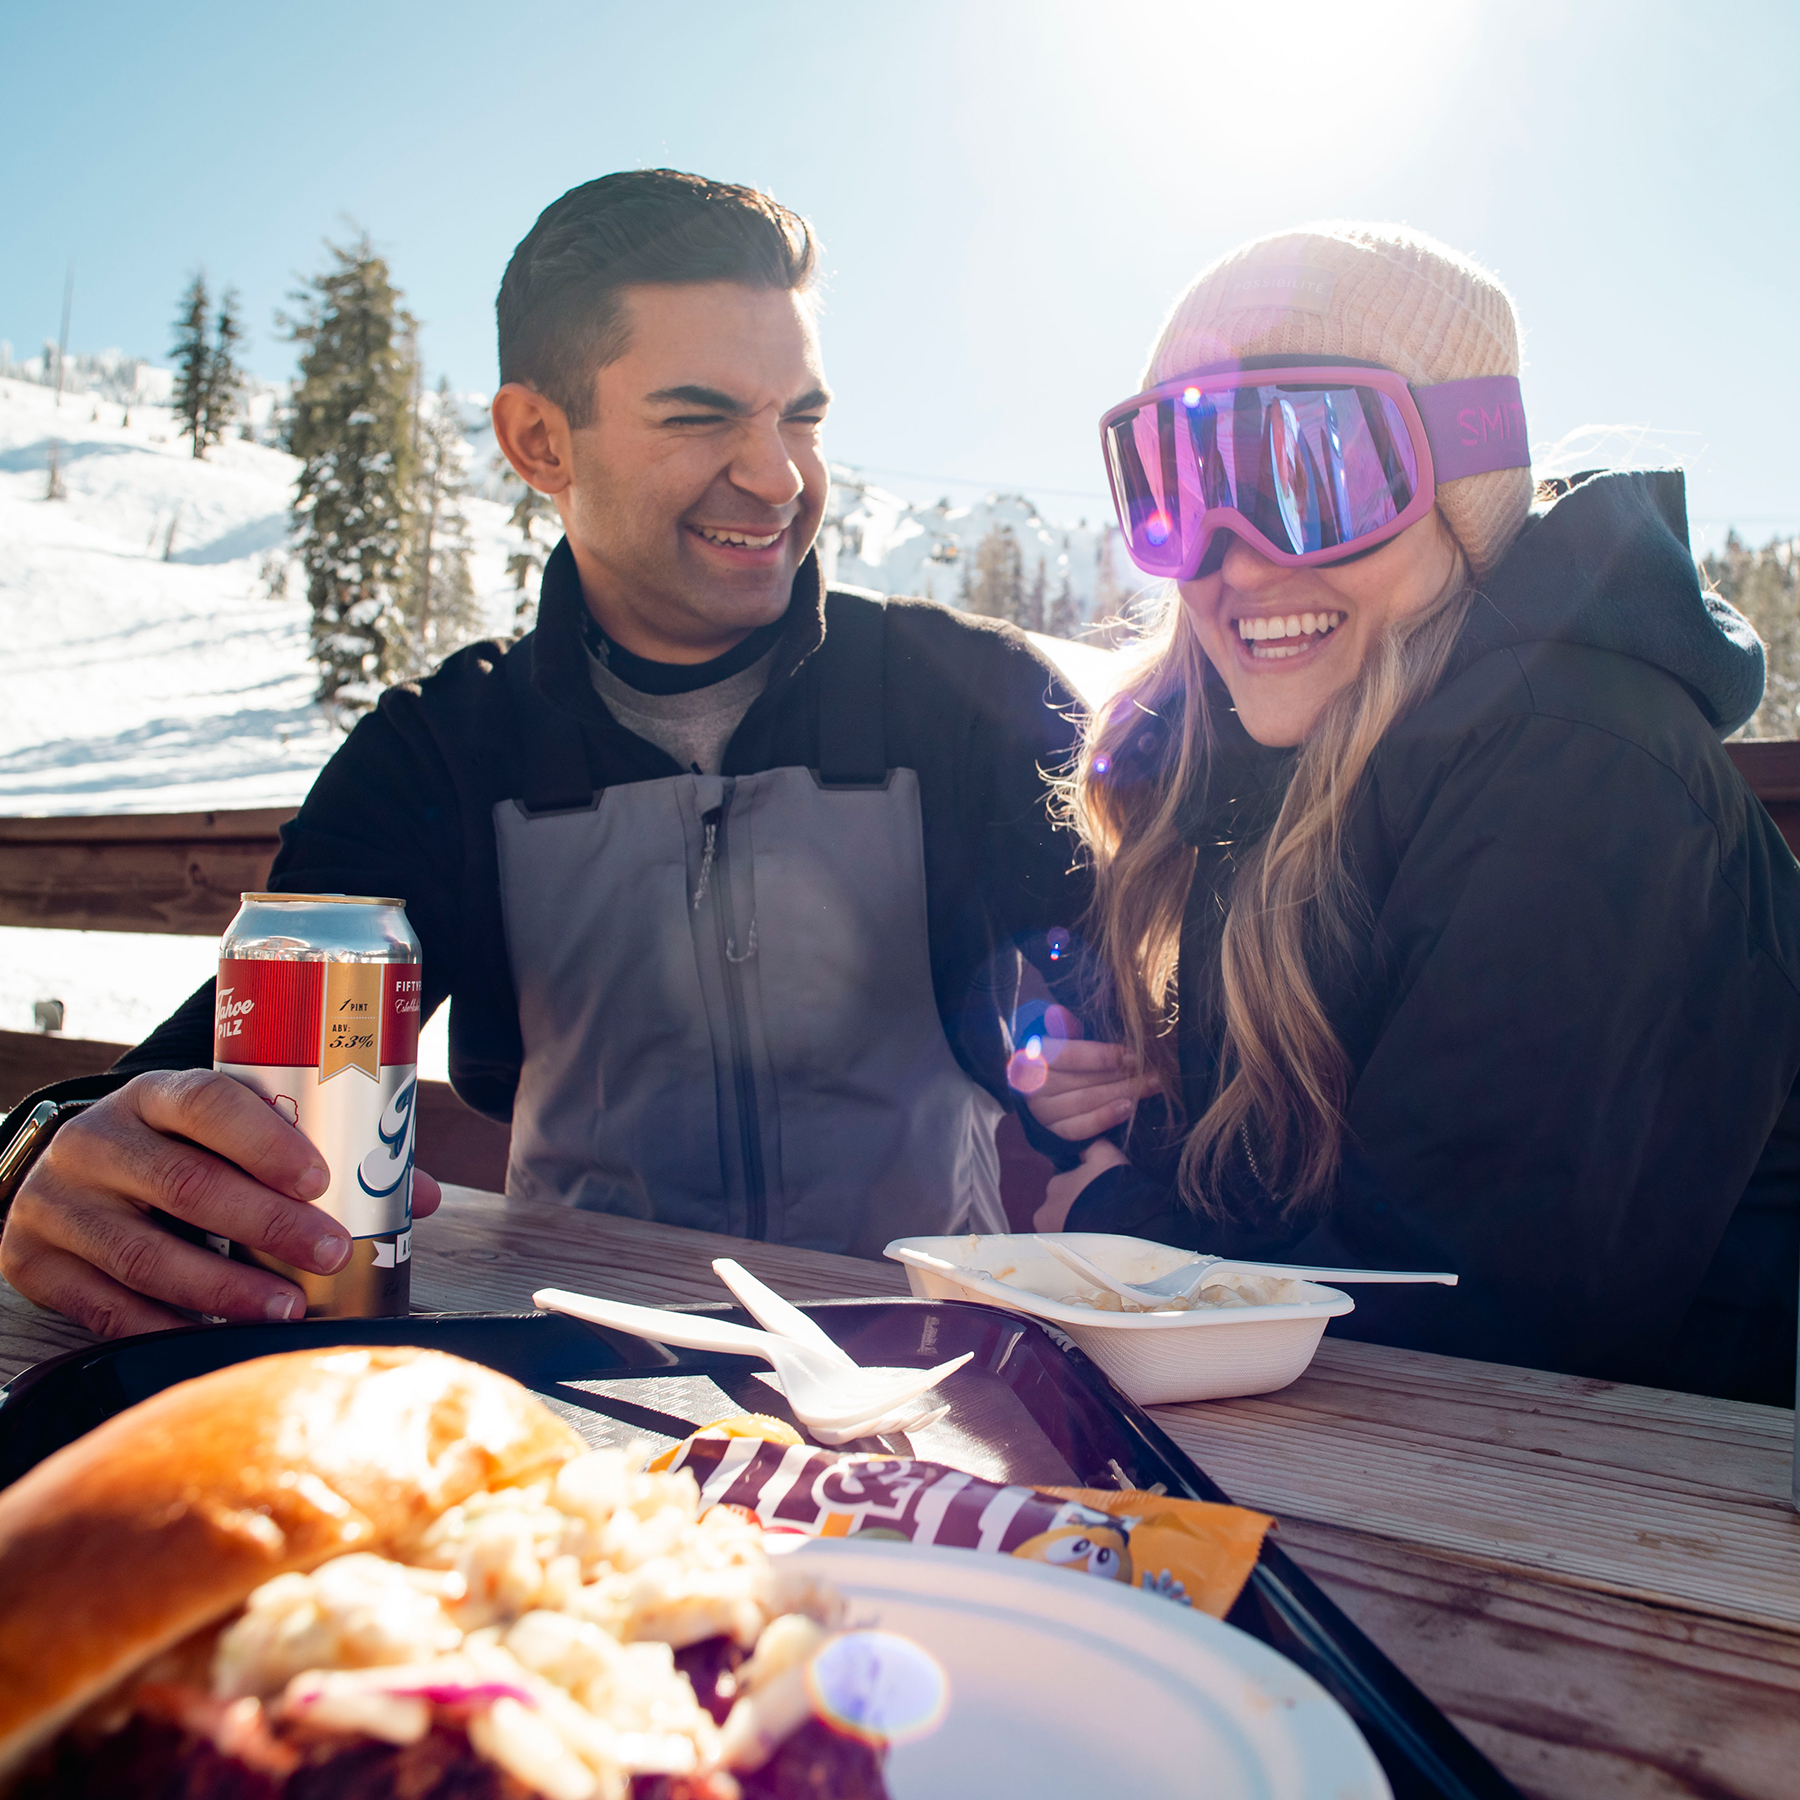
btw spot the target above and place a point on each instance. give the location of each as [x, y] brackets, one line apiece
[317, 1011]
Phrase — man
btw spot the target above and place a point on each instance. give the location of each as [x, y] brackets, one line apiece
[727, 879]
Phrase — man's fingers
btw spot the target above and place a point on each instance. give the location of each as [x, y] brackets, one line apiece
[64, 1283]
[223, 1115]
[426, 1194]
[122, 1242]
[101, 1155]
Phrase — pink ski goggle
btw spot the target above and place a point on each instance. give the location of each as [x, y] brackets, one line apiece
[1308, 460]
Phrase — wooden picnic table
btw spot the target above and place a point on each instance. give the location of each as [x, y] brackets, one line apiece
[1600, 1584]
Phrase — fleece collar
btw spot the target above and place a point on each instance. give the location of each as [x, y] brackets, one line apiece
[559, 657]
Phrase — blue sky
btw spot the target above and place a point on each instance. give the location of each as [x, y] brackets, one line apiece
[1009, 194]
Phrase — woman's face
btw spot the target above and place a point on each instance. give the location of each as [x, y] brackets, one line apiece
[1286, 640]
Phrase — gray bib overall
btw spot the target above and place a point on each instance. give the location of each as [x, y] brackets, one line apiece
[725, 995]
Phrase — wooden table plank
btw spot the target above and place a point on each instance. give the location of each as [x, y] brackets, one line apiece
[1569, 1692]
[1665, 1497]
[486, 1254]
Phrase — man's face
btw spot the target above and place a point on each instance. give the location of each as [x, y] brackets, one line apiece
[697, 490]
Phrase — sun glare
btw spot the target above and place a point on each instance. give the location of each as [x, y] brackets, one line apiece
[1275, 88]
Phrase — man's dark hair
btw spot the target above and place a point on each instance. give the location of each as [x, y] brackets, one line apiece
[560, 311]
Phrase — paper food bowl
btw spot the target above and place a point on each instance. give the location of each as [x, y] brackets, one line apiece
[1211, 1353]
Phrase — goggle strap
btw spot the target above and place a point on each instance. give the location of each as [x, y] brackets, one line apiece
[1474, 426]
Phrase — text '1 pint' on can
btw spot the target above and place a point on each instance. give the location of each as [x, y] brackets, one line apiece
[318, 1012]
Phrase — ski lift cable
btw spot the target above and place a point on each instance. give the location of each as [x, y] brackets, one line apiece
[1002, 487]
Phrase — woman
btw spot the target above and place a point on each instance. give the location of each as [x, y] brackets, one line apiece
[1430, 911]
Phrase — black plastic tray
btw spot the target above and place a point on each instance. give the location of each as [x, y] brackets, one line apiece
[1028, 1408]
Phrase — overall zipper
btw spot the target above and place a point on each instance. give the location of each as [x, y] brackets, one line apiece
[743, 1073]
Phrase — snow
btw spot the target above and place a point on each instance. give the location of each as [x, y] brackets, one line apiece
[118, 986]
[875, 539]
[138, 684]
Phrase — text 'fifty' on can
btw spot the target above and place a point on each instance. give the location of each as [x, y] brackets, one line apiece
[318, 1013]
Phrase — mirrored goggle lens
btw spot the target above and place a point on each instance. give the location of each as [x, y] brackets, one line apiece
[1310, 468]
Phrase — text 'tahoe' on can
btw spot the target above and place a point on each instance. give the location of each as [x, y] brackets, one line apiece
[318, 1012]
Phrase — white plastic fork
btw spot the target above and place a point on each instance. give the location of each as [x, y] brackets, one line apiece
[1184, 1283]
[824, 1398]
[786, 1320]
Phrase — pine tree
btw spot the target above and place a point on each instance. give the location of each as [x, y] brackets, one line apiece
[1110, 593]
[997, 590]
[192, 354]
[351, 429]
[224, 378]
[1065, 615]
[440, 612]
[208, 381]
[1034, 599]
[530, 510]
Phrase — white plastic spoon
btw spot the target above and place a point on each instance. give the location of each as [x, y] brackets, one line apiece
[775, 1314]
[1184, 1283]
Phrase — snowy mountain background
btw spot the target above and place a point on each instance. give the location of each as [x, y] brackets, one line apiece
[156, 638]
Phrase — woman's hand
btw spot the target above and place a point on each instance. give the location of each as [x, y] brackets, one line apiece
[1060, 1195]
[1074, 1088]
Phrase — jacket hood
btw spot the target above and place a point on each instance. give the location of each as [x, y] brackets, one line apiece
[1607, 564]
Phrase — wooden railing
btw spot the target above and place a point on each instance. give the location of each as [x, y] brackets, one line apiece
[175, 872]
[183, 872]
[1772, 771]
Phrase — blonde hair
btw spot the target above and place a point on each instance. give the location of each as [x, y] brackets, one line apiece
[1283, 1075]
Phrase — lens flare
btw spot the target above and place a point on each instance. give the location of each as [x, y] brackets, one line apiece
[1190, 397]
[1058, 942]
[1156, 528]
[1028, 1069]
[1102, 764]
[878, 1687]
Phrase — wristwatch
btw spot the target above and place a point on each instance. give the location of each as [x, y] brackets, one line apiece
[27, 1143]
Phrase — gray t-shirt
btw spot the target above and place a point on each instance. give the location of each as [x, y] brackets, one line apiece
[694, 727]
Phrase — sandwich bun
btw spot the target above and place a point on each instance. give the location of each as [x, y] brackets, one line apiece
[163, 1520]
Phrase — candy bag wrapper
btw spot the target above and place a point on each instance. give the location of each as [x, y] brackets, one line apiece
[1189, 1551]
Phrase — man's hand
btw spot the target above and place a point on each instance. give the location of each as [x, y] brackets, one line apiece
[80, 1239]
[1063, 1189]
[1074, 1088]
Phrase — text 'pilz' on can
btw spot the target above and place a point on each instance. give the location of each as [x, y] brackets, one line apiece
[317, 1011]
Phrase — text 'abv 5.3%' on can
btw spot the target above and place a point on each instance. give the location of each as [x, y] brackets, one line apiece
[318, 1012]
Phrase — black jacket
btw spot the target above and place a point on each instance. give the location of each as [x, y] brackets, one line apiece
[1575, 1022]
[406, 808]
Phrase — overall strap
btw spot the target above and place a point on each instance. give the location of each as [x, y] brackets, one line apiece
[853, 693]
[554, 776]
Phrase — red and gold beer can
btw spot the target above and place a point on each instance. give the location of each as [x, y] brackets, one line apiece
[317, 1011]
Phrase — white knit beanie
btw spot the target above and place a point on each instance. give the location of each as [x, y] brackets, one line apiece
[1379, 293]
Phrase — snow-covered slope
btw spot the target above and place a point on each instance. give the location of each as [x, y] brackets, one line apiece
[875, 539]
[148, 667]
